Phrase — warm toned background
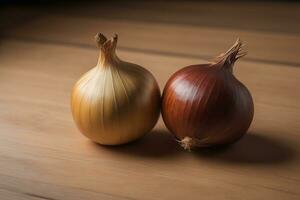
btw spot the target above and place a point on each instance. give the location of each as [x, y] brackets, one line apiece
[45, 47]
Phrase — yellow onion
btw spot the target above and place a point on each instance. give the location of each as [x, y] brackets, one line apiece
[115, 102]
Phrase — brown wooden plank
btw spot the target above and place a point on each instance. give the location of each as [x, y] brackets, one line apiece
[43, 154]
[162, 39]
[282, 17]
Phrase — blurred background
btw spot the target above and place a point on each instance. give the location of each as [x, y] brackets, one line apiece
[152, 26]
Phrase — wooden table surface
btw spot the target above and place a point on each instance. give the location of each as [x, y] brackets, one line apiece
[43, 51]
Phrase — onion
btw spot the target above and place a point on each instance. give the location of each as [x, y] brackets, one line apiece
[115, 102]
[205, 105]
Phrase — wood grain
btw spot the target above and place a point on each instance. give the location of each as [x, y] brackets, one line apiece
[43, 155]
[186, 41]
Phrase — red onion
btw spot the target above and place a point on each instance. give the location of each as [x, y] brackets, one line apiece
[205, 105]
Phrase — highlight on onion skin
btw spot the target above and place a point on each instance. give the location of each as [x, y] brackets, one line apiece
[205, 105]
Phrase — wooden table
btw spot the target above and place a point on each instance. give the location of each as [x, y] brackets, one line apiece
[43, 51]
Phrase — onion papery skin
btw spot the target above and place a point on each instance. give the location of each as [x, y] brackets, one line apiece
[205, 105]
[115, 102]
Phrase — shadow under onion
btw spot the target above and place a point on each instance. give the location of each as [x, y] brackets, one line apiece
[253, 148]
[155, 144]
